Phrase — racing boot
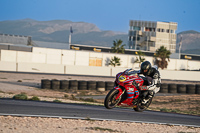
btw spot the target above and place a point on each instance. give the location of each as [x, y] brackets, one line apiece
[148, 96]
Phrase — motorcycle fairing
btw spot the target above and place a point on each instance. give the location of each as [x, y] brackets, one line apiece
[120, 92]
[122, 79]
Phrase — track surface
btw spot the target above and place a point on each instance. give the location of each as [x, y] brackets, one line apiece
[65, 110]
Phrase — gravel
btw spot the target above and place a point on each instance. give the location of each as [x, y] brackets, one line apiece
[58, 125]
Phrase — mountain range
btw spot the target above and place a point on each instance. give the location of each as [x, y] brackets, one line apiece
[190, 42]
[83, 33]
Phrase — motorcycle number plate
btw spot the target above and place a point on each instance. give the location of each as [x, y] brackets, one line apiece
[122, 78]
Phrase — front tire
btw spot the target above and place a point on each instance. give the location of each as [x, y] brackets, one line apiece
[110, 101]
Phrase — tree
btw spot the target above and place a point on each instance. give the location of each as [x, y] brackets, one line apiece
[118, 47]
[115, 61]
[139, 59]
[161, 54]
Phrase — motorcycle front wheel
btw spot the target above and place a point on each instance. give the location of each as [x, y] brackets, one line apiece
[110, 100]
[142, 107]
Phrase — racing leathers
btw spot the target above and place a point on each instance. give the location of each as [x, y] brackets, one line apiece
[153, 80]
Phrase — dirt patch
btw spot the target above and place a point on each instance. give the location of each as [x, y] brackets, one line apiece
[185, 104]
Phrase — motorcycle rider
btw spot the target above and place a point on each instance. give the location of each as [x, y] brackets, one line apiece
[152, 80]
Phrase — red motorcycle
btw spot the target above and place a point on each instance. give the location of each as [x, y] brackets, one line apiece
[127, 93]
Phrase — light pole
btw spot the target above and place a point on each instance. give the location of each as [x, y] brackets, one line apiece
[69, 39]
[180, 43]
[70, 36]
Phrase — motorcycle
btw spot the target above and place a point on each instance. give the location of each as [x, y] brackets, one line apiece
[126, 92]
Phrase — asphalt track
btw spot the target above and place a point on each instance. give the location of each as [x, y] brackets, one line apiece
[78, 111]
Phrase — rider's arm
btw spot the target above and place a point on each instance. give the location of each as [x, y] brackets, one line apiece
[155, 82]
[138, 72]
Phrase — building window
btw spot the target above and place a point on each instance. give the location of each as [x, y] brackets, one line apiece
[129, 38]
[162, 30]
[158, 29]
[172, 31]
[136, 28]
[147, 29]
[138, 38]
[167, 30]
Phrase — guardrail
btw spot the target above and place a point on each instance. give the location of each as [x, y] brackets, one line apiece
[65, 85]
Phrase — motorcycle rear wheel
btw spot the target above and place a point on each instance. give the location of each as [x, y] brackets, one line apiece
[142, 107]
[110, 101]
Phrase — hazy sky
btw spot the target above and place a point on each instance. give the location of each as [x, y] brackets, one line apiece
[106, 14]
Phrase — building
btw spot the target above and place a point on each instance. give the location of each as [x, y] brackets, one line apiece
[149, 36]
[15, 39]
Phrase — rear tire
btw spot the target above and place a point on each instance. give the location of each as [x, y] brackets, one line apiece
[142, 107]
[110, 101]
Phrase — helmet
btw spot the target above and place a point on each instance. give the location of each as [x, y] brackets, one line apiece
[145, 67]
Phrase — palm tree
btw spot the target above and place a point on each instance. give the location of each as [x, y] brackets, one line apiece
[139, 59]
[118, 47]
[161, 54]
[115, 61]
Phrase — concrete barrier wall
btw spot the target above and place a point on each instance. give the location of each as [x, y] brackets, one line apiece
[106, 59]
[192, 65]
[7, 66]
[8, 56]
[96, 55]
[38, 58]
[39, 50]
[124, 60]
[68, 57]
[77, 62]
[131, 59]
[82, 58]
[180, 75]
[24, 57]
[72, 57]
[172, 64]
[85, 70]
[116, 70]
[43, 68]
[181, 65]
[53, 58]
[50, 51]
